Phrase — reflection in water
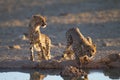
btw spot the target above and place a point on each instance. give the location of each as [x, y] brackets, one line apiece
[83, 76]
[55, 77]
[107, 74]
[14, 76]
[37, 76]
[40, 76]
[112, 73]
[75, 78]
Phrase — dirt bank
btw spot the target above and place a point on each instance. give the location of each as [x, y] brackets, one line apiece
[98, 19]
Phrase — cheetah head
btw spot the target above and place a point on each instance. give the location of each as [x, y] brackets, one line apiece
[39, 21]
[91, 50]
[91, 47]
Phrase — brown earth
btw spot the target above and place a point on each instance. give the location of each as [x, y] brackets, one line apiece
[99, 19]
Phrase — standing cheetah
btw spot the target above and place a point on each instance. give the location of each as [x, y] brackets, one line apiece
[81, 46]
[38, 41]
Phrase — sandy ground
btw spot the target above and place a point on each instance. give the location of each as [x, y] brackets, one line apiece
[99, 19]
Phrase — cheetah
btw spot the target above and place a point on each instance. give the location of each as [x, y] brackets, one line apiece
[38, 41]
[81, 46]
[37, 76]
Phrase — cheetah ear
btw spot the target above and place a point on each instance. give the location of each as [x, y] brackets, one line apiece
[45, 17]
[34, 16]
[94, 45]
[89, 40]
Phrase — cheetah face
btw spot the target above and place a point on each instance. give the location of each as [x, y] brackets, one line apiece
[91, 50]
[43, 22]
[40, 21]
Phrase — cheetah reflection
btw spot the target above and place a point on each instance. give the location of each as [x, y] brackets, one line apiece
[37, 76]
[76, 78]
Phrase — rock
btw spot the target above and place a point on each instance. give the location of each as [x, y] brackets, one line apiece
[114, 57]
[14, 47]
[114, 60]
[22, 37]
[106, 44]
[59, 44]
[111, 60]
[72, 72]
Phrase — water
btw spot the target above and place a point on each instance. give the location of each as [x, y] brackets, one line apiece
[110, 74]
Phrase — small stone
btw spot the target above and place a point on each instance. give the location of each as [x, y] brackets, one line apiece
[23, 37]
[14, 47]
[106, 44]
[59, 44]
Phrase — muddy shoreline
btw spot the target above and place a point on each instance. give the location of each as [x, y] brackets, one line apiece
[58, 64]
[98, 19]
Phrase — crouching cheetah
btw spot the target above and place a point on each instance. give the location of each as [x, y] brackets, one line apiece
[38, 41]
[81, 46]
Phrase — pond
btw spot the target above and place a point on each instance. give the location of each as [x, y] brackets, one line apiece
[108, 74]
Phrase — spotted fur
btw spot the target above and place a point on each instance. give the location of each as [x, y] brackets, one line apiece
[38, 41]
[80, 45]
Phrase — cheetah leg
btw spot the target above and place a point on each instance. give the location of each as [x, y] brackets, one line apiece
[78, 62]
[31, 52]
[68, 46]
[69, 42]
[42, 51]
[47, 50]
